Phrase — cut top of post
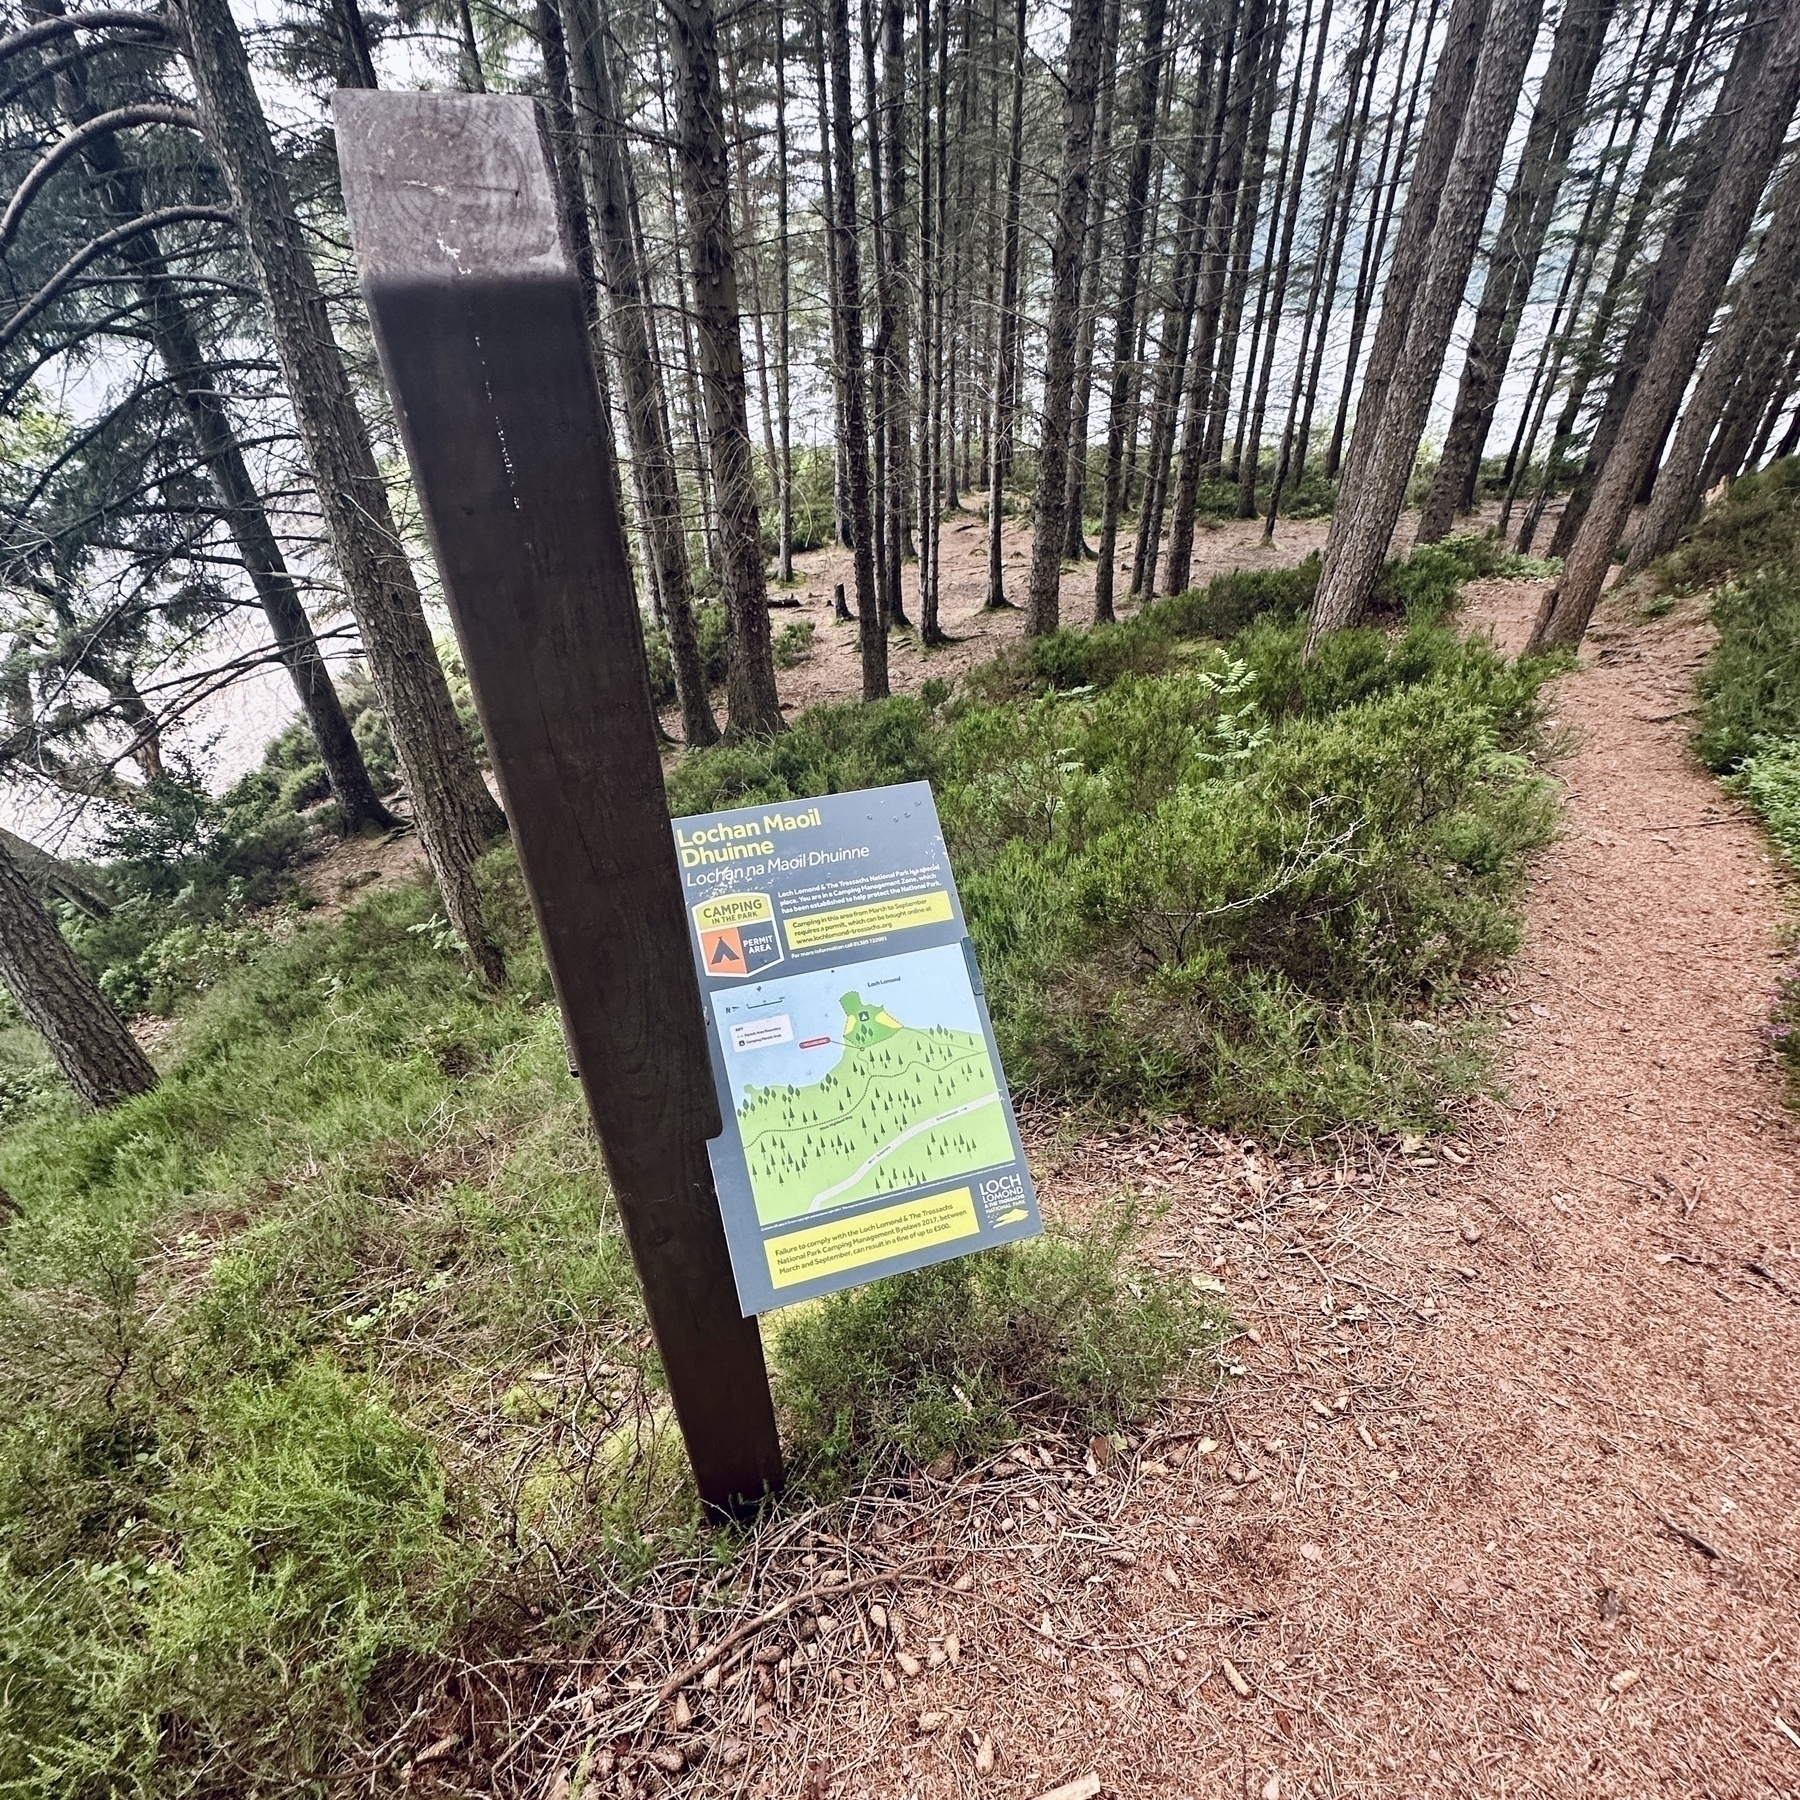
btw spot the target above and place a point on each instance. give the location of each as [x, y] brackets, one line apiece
[485, 209]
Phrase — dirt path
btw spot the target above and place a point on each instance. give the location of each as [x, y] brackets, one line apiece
[1503, 1494]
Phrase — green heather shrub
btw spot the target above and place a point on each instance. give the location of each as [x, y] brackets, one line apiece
[1770, 780]
[709, 629]
[213, 1585]
[1750, 691]
[1755, 526]
[1066, 1332]
[794, 643]
[1220, 879]
[1424, 586]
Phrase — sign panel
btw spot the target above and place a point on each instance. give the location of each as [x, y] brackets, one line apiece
[868, 1124]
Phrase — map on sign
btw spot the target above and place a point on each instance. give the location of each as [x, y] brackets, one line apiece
[868, 1127]
[862, 1081]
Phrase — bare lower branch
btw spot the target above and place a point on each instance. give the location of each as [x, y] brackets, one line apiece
[107, 241]
[103, 125]
[105, 19]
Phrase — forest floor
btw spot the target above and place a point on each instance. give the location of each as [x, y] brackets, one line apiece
[833, 672]
[1501, 1494]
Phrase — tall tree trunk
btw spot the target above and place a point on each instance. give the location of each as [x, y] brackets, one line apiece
[843, 533]
[98, 1056]
[1452, 85]
[1124, 369]
[902, 545]
[871, 630]
[1075, 545]
[928, 297]
[1760, 394]
[1243, 235]
[1301, 391]
[1594, 234]
[606, 164]
[784, 403]
[1705, 157]
[1214, 251]
[1284, 262]
[750, 248]
[1755, 145]
[1382, 196]
[752, 705]
[1081, 81]
[1529, 208]
[1271, 291]
[1558, 336]
[1369, 505]
[888, 501]
[196, 387]
[1006, 389]
[1178, 315]
[1763, 307]
[1341, 213]
[1140, 348]
[456, 815]
[932, 201]
[705, 488]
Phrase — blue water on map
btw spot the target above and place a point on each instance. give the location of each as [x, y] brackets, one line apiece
[920, 989]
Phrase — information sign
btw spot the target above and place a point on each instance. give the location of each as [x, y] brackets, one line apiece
[868, 1125]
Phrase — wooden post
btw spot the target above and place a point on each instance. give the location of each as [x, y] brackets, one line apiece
[480, 329]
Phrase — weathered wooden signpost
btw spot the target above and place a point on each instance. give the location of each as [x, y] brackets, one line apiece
[479, 324]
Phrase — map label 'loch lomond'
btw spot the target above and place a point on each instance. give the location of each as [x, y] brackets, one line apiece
[868, 1124]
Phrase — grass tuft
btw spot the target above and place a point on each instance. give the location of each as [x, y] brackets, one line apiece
[1068, 1332]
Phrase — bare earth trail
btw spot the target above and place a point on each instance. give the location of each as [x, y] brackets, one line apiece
[1502, 1495]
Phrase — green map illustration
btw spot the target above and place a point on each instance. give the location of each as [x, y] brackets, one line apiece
[904, 1102]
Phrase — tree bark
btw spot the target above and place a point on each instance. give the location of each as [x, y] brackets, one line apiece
[1075, 545]
[903, 472]
[753, 708]
[98, 1056]
[197, 389]
[1215, 245]
[1081, 82]
[1124, 369]
[1342, 210]
[1595, 231]
[1243, 233]
[1452, 85]
[871, 631]
[1707, 155]
[1529, 208]
[607, 169]
[1251, 459]
[1006, 392]
[1381, 215]
[1760, 395]
[1375, 490]
[1333, 227]
[1762, 308]
[1755, 145]
[784, 561]
[1177, 324]
[456, 815]
[1215, 249]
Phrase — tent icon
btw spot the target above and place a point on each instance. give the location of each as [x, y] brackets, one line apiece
[723, 951]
